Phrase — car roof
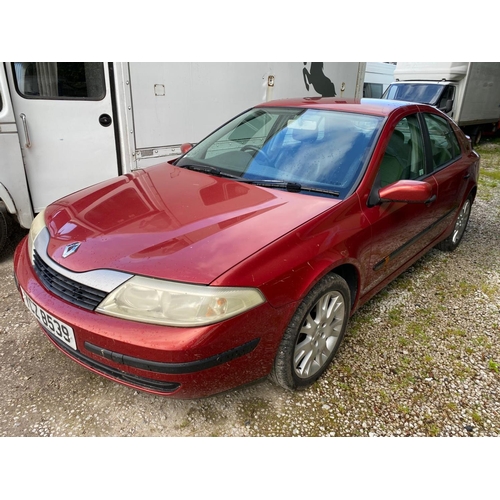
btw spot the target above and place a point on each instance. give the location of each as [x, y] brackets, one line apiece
[378, 107]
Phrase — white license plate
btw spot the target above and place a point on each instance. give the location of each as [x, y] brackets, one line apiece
[56, 327]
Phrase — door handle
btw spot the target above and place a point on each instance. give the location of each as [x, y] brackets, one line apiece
[27, 142]
[467, 175]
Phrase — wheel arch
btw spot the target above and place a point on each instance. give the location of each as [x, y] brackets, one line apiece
[350, 273]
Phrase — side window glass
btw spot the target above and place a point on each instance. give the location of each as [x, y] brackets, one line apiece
[55, 80]
[374, 90]
[404, 156]
[447, 95]
[443, 141]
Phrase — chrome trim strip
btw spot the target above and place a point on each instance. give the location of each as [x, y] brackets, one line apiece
[101, 279]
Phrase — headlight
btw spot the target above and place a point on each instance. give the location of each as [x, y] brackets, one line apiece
[177, 304]
[36, 227]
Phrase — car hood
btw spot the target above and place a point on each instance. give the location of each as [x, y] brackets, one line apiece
[173, 223]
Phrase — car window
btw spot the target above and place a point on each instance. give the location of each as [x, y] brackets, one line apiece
[250, 133]
[314, 148]
[443, 141]
[447, 95]
[404, 157]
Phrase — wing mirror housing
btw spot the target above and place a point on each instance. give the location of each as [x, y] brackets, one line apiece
[407, 191]
[186, 147]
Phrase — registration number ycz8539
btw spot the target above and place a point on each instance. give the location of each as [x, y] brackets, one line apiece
[54, 326]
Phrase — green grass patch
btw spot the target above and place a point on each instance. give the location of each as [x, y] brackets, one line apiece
[477, 418]
[395, 316]
[418, 330]
[493, 175]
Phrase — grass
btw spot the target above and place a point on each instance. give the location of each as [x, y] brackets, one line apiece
[395, 316]
[489, 176]
[477, 418]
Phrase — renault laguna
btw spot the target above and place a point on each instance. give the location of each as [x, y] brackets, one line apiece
[245, 257]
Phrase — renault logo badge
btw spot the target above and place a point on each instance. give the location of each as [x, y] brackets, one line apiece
[71, 249]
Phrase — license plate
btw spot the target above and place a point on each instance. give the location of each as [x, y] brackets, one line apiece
[56, 327]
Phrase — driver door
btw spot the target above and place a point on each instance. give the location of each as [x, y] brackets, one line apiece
[400, 230]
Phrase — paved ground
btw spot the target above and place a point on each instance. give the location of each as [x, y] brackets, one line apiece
[420, 359]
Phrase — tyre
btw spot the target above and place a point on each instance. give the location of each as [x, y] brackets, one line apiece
[453, 240]
[5, 226]
[314, 334]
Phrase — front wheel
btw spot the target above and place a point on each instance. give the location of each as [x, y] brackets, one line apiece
[313, 335]
[453, 240]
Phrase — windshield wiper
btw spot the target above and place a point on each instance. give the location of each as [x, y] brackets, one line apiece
[207, 169]
[293, 187]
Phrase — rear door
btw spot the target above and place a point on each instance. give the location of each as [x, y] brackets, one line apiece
[65, 120]
[449, 168]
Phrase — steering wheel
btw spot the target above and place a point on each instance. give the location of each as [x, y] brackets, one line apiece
[256, 151]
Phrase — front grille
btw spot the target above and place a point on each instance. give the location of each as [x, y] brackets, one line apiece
[68, 289]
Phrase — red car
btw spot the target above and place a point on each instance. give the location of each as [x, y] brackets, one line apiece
[245, 257]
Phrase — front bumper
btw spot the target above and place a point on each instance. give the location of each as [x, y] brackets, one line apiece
[168, 361]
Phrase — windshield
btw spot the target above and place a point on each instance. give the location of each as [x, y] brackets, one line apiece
[425, 93]
[313, 149]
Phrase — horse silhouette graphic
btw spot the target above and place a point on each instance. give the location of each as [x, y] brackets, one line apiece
[317, 78]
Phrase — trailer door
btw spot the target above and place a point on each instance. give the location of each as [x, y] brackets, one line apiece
[65, 121]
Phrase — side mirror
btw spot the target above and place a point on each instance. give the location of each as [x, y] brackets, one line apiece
[186, 147]
[449, 106]
[407, 192]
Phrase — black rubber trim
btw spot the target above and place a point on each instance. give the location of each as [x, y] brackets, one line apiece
[134, 380]
[112, 88]
[174, 368]
[403, 247]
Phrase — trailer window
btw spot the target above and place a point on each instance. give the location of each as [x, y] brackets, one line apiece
[374, 90]
[55, 80]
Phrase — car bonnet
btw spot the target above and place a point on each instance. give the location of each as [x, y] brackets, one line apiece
[172, 223]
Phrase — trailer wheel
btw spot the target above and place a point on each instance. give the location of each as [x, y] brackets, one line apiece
[5, 226]
[475, 136]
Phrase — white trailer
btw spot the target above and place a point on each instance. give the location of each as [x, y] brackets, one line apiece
[65, 126]
[469, 92]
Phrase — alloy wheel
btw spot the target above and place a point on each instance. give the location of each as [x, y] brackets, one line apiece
[461, 223]
[319, 334]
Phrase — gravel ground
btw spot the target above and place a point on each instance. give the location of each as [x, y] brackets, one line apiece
[420, 359]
